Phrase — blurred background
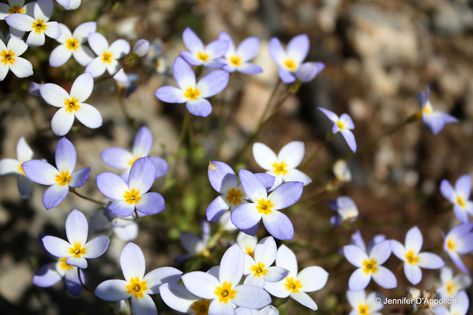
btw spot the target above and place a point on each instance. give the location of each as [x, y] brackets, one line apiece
[378, 56]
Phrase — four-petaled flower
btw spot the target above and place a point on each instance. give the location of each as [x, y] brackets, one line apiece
[10, 59]
[59, 178]
[459, 241]
[76, 249]
[345, 208]
[238, 58]
[459, 196]
[458, 308]
[51, 273]
[451, 285]
[364, 304]
[199, 54]
[434, 120]
[343, 124]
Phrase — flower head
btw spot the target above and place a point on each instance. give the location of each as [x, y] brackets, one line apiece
[71, 105]
[434, 120]
[247, 243]
[137, 285]
[76, 249]
[296, 284]
[15, 167]
[133, 193]
[343, 124]
[69, 4]
[459, 241]
[451, 285]
[72, 45]
[308, 71]
[50, 274]
[195, 245]
[141, 47]
[364, 304]
[459, 196]
[413, 259]
[345, 208]
[200, 54]
[238, 58]
[10, 59]
[458, 308]
[266, 207]
[370, 266]
[59, 178]
[191, 92]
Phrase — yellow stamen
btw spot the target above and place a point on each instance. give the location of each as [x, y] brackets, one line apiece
[192, 94]
[63, 178]
[370, 266]
[280, 168]
[411, 257]
[16, 9]
[460, 201]
[201, 307]
[264, 206]
[259, 270]
[225, 292]
[363, 309]
[39, 26]
[63, 265]
[136, 287]
[132, 160]
[451, 245]
[203, 56]
[340, 124]
[107, 57]
[72, 44]
[235, 61]
[290, 64]
[249, 250]
[7, 57]
[293, 284]
[451, 288]
[427, 109]
[234, 196]
[132, 196]
[20, 169]
[77, 250]
[71, 104]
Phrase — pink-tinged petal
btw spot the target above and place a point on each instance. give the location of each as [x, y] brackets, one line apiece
[276, 50]
[213, 83]
[96, 247]
[117, 158]
[142, 175]
[89, 116]
[350, 139]
[82, 87]
[143, 306]
[292, 153]
[53, 94]
[385, 278]
[381, 252]
[158, 276]
[54, 195]
[304, 299]
[413, 273]
[40, 172]
[248, 48]
[277, 289]
[46, 276]
[77, 227]
[59, 56]
[298, 47]
[430, 261]
[200, 284]
[79, 177]
[132, 261]
[201, 108]
[286, 195]
[251, 297]
[98, 43]
[312, 278]
[119, 48]
[191, 40]
[170, 94]
[285, 258]
[264, 156]
[112, 290]
[121, 208]
[358, 280]
[217, 48]
[245, 216]
[142, 142]
[151, 203]
[21, 22]
[55, 246]
[96, 67]
[62, 122]
[216, 208]
[252, 186]
[111, 185]
[279, 225]
[217, 172]
[217, 308]
[354, 254]
[65, 155]
[463, 185]
[183, 74]
[232, 265]
[414, 239]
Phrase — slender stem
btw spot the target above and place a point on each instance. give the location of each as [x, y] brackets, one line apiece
[82, 282]
[75, 192]
[136, 215]
[213, 240]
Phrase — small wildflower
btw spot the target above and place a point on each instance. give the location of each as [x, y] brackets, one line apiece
[195, 245]
[459, 196]
[451, 285]
[50, 274]
[238, 58]
[247, 243]
[343, 124]
[364, 304]
[69, 4]
[199, 54]
[458, 308]
[345, 209]
[10, 59]
[459, 241]
[434, 120]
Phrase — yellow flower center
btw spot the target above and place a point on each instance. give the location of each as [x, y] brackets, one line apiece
[20, 169]
[16, 9]
[293, 285]
[411, 257]
[234, 196]
[235, 61]
[264, 206]
[259, 269]
[290, 64]
[63, 178]
[39, 26]
[132, 196]
[203, 56]
[77, 250]
[225, 292]
[370, 266]
[63, 265]
[280, 168]
[249, 250]
[363, 309]
[132, 160]
[192, 94]
[451, 288]
[71, 104]
[136, 287]
[427, 109]
[201, 307]
[7, 57]
[340, 124]
[451, 245]
[72, 44]
[107, 57]
[460, 201]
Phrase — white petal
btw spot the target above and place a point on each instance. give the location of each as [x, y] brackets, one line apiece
[119, 48]
[200, 284]
[292, 153]
[77, 227]
[312, 278]
[112, 290]
[305, 300]
[53, 94]
[143, 306]
[132, 261]
[98, 43]
[89, 116]
[251, 297]
[62, 122]
[232, 265]
[414, 239]
[59, 56]
[286, 259]
[22, 68]
[9, 167]
[264, 156]
[82, 87]
[266, 250]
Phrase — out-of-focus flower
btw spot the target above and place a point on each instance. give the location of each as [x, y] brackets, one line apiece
[459, 241]
[370, 266]
[50, 274]
[413, 259]
[195, 245]
[71, 105]
[342, 171]
[107, 56]
[193, 94]
[123, 159]
[126, 85]
[343, 124]
[72, 45]
[451, 285]
[267, 208]
[181, 300]
[12, 7]
[133, 193]
[458, 308]
[223, 289]
[76, 249]
[59, 178]
[225, 222]
[247, 243]
[124, 228]
[308, 71]
[38, 24]
[459, 196]
[141, 47]
[297, 284]
[284, 165]
[199, 54]
[258, 267]
[238, 58]
[137, 285]
[10, 59]
[434, 120]
[69, 4]
[363, 304]
[15, 167]
[345, 208]
[33, 90]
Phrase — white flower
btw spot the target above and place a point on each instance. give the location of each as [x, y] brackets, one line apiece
[460, 307]
[12, 7]
[71, 45]
[69, 4]
[71, 105]
[247, 243]
[296, 284]
[363, 304]
[10, 59]
[450, 285]
[180, 299]
[282, 166]
[107, 56]
[342, 171]
[14, 167]
[38, 24]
